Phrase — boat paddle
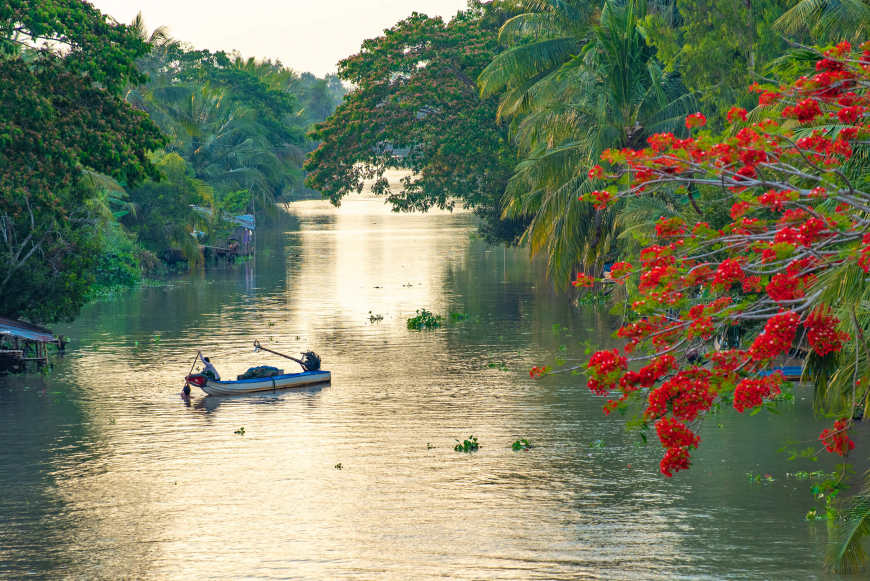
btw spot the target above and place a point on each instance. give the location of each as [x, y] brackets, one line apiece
[186, 389]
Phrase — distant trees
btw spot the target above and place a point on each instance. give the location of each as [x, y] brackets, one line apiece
[415, 105]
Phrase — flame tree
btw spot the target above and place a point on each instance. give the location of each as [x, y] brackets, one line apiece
[787, 271]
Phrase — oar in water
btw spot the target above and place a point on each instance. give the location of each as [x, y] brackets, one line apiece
[186, 389]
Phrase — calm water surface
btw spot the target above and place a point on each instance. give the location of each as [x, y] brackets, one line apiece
[106, 473]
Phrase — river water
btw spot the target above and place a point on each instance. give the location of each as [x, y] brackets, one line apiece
[106, 473]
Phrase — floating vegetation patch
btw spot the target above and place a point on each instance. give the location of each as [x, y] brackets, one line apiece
[759, 478]
[521, 444]
[425, 320]
[597, 444]
[463, 318]
[375, 318]
[240, 431]
[338, 466]
[469, 445]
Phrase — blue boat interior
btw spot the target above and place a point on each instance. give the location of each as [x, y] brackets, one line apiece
[276, 377]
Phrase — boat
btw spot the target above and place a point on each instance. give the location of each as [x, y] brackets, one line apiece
[789, 372]
[275, 382]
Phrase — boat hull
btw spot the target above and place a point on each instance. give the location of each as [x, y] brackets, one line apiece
[287, 381]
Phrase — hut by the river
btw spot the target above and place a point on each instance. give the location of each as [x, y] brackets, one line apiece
[22, 343]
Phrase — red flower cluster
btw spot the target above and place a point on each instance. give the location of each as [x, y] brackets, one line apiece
[583, 280]
[783, 287]
[701, 327]
[675, 459]
[686, 395]
[752, 284]
[849, 115]
[838, 440]
[727, 274]
[822, 333]
[777, 337]
[667, 227]
[752, 392]
[677, 438]
[737, 113]
[805, 111]
[775, 200]
[864, 254]
[605, 369]
[620, 269]
[539, 372]
[599, 198]
[596, 173]
[695, 120]
[674, 434]
[739, 209]
[647, 376]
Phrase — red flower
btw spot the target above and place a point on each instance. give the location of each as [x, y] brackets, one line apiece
[605, 369]
[751, 392]
[695, 120]
[805, 111]
[739, 209]
[736, 113]
[777, 337]
[598, 198]
[822, 333]
[838, 440]
[583, 280]
[849, 115]
[667, 227]
[596, 172]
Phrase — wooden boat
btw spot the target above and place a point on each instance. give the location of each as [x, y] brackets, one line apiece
[286, 381]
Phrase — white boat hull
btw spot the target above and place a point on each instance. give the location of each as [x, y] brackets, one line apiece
[287, 381]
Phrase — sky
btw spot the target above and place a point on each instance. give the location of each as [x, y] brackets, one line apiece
[305, 35]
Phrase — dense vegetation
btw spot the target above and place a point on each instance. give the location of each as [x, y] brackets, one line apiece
[592, 131]
[119, 144]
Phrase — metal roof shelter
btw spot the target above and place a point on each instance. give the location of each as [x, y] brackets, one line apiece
[25, 331]
[21, 342]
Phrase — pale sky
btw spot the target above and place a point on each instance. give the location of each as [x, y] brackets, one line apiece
[305, 35]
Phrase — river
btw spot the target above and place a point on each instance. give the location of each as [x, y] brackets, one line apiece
[106, 473]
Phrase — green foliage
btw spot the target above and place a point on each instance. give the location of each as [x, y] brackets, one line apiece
[612, 93]
[240, 431]
[718, 45]
[521, 444]
[415, 105]
[165, 218]
[60, 117]
[469, 445]
[847, 550]
[425, 320]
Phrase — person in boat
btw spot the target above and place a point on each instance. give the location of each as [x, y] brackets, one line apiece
[209, 370]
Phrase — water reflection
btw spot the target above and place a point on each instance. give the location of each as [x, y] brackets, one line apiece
[115, 476]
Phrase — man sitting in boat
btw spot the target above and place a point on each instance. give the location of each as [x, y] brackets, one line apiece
[209, 368]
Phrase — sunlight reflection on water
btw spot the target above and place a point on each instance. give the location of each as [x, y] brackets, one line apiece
[117, 477]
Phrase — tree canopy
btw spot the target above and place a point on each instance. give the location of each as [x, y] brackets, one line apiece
[61, 116]
[415, 105]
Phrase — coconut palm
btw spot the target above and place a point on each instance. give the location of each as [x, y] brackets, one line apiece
[613, 94]
[545, 35]
[827, 20]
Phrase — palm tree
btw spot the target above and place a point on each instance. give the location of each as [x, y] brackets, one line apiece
[827, 20]
[546, 34]
[613, 94]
